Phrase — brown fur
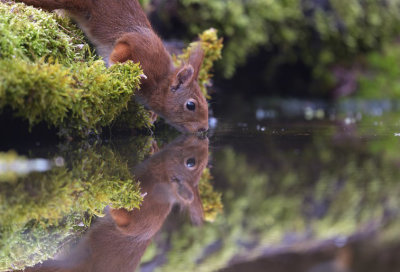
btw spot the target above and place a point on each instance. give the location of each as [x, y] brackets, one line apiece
[121, 31]
[118, 241]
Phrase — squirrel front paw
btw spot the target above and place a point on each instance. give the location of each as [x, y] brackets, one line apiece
[153, 117]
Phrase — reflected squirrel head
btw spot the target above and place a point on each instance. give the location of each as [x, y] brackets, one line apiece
[169, 177]
[184, 170]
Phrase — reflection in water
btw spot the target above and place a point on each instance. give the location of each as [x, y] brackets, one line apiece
[117, 241]
[361, 254]
[12, 166]
[299, 195]
[40, 211]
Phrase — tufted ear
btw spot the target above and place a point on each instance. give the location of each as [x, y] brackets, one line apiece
[196, 59]
[120, 53]
[184, 76]
[183, 191]
[196, 209]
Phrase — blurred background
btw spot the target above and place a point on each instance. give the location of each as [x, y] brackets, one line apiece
[301, 48]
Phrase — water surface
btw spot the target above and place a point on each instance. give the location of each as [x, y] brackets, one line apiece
[305, 186]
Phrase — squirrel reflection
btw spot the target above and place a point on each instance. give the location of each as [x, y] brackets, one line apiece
[117, 241]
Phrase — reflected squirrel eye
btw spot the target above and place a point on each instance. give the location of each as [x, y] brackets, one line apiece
[190, 163]
[191, 106]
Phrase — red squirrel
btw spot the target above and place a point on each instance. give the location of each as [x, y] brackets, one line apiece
[120, 31]
[117, 241]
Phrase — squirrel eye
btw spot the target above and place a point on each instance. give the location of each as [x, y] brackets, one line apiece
[190, 105]
[190, 163]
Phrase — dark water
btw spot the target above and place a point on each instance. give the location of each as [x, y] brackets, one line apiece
[304, 185]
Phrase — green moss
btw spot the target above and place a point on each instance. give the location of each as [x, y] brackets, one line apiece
[48, 73]
[30, 34]
[134, 116]
[27, 246]
[212, 205]
[76, 100]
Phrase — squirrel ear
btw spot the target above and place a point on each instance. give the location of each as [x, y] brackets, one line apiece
[183, 191]
[196, 209]
[120, 53]
[196, 59]
[121, 217]
[183, 76]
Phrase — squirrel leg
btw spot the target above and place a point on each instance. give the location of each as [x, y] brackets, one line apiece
[154, 147]
[153, 116]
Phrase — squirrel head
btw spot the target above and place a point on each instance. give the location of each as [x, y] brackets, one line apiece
[173, 93]
[186, 105]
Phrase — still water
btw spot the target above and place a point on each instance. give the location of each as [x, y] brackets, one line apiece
[281, 185]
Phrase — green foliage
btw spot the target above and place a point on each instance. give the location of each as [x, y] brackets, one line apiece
[316, 33]
[39, 211]
[380, 77]
[244, 25]
[49, 74]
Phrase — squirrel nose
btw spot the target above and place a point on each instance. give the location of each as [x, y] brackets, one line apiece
[202, 130]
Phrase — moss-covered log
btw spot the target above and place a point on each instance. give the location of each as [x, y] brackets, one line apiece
[49, 73]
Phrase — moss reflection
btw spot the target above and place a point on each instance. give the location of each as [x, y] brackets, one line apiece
[40, 211]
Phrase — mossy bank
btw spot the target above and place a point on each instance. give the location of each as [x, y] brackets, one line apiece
[49, 73]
